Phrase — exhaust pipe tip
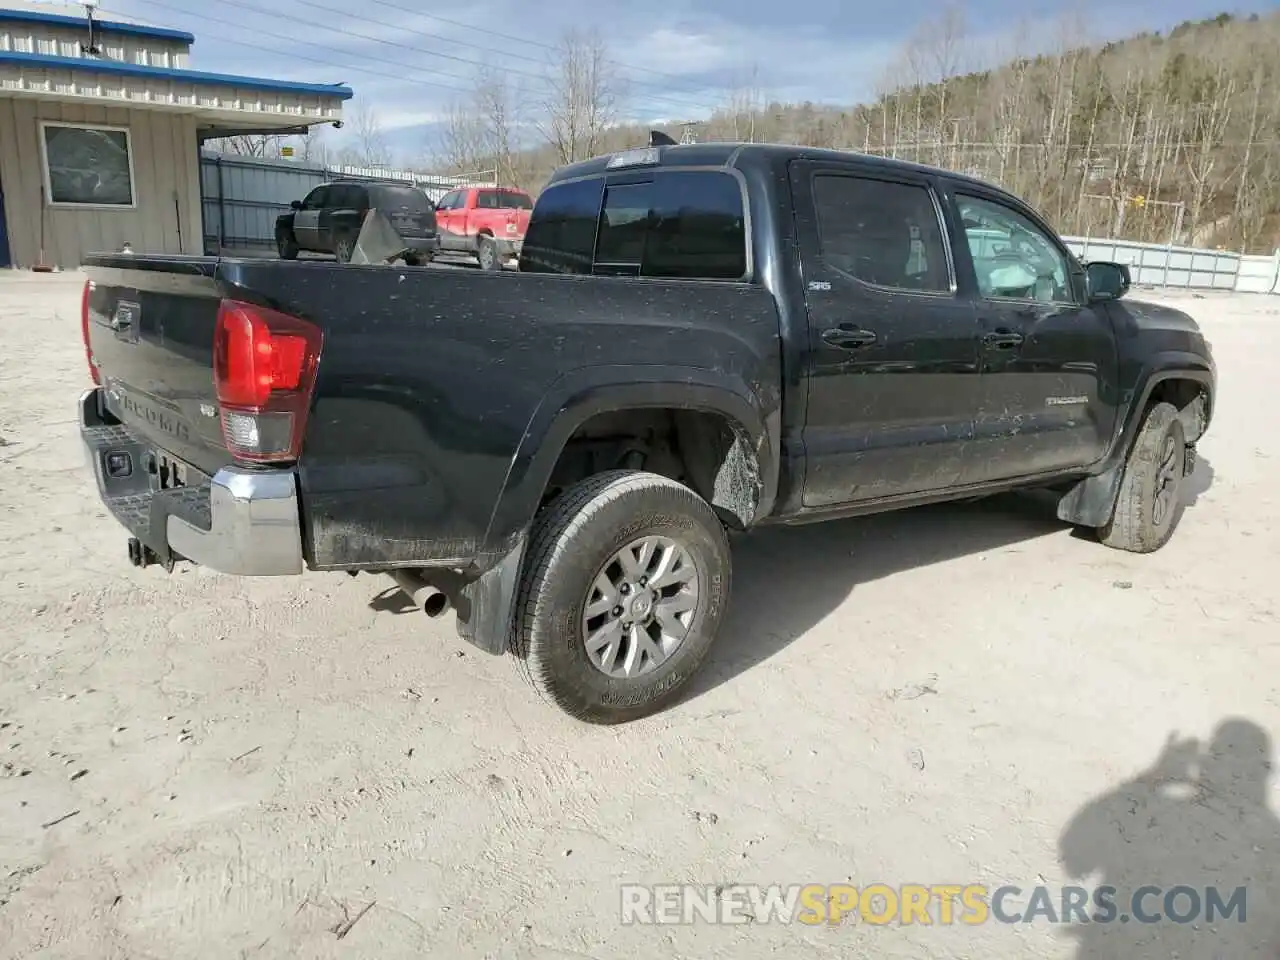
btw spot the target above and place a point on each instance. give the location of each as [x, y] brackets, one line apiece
[431, 600]
[436, 605]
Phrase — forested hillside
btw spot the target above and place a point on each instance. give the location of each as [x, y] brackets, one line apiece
[1162, 138]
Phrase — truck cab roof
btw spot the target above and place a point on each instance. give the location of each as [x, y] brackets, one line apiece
[742, 155]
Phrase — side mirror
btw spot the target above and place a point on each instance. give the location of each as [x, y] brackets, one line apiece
[1107, 281]
[295, 205]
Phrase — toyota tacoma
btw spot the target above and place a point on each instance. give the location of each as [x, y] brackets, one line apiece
[700, 339]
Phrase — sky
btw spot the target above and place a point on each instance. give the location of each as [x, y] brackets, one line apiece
[409, 60]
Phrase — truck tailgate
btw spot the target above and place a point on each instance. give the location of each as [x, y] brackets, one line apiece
[150, 330]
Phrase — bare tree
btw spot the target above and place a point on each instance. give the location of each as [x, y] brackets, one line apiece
[313, 146]
[745, 101]
[496, 108]
[461, 146]
[367, 146]
[582, 96]
[250, 145]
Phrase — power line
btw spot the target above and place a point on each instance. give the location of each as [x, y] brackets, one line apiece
[402, 46]
[525, 40]
[300, 56]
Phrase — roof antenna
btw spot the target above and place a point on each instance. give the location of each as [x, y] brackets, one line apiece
[659, 139]
[91, 48]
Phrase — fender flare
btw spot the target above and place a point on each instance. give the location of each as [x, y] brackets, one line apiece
[577, 396]
[1091, 501]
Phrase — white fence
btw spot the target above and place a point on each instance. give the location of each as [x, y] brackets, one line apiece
[1189, 268]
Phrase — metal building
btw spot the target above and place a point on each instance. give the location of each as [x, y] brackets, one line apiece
[100, 130]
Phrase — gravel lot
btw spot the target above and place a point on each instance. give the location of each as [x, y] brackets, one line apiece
[948, 695]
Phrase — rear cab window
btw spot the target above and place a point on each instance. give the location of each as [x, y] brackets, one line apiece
[503, 200]
[674, 224]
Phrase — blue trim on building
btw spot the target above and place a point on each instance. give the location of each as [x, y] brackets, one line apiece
[106, 26]
[93, 65]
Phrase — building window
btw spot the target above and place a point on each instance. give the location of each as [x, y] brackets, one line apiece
[87, 165]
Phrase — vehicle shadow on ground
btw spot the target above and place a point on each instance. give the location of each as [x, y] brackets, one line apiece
[787, 579]
[1195, 830]
[393, 600]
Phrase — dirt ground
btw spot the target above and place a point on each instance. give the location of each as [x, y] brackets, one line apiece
[201, 766]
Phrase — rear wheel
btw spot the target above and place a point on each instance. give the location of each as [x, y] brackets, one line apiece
[1149, 504]
[487, 254]
[343, 247]
[623, 590]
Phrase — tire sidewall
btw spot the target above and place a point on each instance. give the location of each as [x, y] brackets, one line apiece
[556, 643]
[1151, 531]
[338, 249]
[486, 249]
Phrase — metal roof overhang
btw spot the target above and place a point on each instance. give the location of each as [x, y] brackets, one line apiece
[223, 104]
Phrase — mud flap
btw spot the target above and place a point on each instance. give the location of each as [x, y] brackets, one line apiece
[1092, 501]
[486, 606]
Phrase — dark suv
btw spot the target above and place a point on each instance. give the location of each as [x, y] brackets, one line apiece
[329, 219]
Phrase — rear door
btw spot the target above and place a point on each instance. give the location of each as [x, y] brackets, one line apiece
[306, 222]
[893, 353]
[343, 214]
[1049, 358]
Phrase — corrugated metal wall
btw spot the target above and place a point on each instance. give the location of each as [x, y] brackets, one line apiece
[244, 195]
[166, 217]
[58, 41]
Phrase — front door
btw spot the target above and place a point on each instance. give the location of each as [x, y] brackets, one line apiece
[893, 349]
[306, 222]
[1049, 358]
[447, 221]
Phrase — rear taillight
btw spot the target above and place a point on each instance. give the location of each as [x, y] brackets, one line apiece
[84, 332]
[264, 369]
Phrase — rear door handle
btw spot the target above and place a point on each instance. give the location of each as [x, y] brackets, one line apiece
[1003, 339]
[848, 337]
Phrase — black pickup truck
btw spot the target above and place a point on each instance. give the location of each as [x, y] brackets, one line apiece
[700, 338]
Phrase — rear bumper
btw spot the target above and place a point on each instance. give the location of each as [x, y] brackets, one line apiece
[422, 244]
[243, 522]
[508, 247]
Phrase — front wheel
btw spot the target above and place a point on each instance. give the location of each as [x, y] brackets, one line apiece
[624, 586]
[1149, 504]
[287, 245]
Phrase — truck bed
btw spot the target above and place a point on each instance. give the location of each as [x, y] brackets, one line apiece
[438, 391]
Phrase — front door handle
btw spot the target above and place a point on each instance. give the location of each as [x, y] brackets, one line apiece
[1003, 339]
[848, 337]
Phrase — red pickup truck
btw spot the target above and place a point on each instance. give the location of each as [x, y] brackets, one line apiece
[486, 222]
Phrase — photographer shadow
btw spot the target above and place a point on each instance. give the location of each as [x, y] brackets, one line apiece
[1194, 829]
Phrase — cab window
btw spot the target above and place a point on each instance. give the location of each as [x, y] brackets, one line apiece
[1012, 257]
